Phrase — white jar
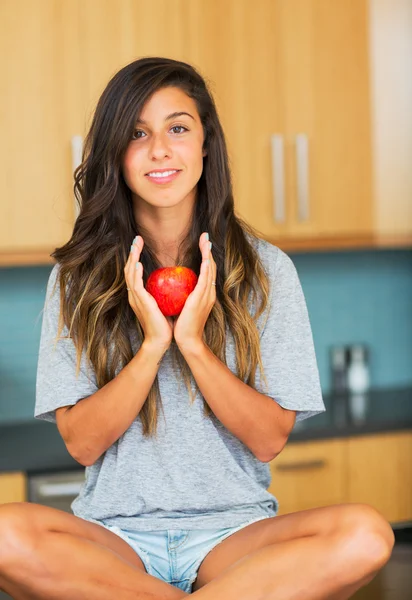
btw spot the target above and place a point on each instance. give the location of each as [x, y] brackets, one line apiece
[358, 383]
[358, 372]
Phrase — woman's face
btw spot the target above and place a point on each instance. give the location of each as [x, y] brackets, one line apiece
[163, 142]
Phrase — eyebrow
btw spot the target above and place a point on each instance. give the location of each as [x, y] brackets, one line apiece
[173, 115]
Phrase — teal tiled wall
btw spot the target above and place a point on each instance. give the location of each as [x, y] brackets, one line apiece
[351, 297]
[361, 297]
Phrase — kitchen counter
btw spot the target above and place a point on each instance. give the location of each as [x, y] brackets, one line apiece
[36, 446]
[385, 410]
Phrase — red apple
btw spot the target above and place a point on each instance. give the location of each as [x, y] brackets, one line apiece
[170, 286]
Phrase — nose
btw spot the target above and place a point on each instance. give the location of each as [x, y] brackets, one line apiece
[159, 147]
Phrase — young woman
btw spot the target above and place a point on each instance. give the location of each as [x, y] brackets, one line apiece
[175, 499]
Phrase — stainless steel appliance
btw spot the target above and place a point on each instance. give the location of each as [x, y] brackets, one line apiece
[57, 490]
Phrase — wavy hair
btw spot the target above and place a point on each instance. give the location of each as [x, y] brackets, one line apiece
[93, 296]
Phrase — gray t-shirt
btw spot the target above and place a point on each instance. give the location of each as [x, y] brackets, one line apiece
[197, 474]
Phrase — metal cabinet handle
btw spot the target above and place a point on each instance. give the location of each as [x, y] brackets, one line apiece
[55, 490]
[301, 465]
[302, 173]
[77, 152]
[278, 179]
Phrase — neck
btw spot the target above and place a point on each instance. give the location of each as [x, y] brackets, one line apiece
[166, 227]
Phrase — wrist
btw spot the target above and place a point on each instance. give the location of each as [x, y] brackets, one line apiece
[193, 347]
[154, 349]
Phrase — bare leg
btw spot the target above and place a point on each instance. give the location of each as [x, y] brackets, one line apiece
[42, 559]
[58, 564]
[64, 566]
[70, 568]
[300, 569]
[86, 570]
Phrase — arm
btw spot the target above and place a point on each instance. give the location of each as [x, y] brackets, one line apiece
[256, 419]
[92, 425]
[259, 422]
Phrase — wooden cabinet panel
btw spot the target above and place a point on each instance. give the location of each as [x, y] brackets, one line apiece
[235, 46]
[309, 475]
[324, 95]
[13, 487]
[38, 47]
[297, 67]
[117, 32]
[373, 469]
[381, 473]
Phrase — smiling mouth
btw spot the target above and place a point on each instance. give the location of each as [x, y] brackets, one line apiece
[166, 177]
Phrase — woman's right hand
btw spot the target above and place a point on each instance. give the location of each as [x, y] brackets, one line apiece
[158, 329]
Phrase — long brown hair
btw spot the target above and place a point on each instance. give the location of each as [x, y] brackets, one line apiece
[93, 297]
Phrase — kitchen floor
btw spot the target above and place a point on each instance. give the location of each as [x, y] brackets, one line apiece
[394, 581]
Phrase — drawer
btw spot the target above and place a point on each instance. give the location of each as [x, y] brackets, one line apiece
[380, 468]
[309, 474]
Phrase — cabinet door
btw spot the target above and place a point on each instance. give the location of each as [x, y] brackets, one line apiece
[13, 487]
[235, 46]
[116, 32]
[308, 475]
[324, 88]
[38, 104]
[380, 474]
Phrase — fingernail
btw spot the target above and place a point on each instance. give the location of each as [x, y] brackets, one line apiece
[207, 261]
[135, 239]
[132, 247]
[207, 236]
[210, 245]
[137, 265]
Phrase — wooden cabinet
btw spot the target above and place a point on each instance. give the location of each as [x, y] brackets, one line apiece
[380, 473]
[324, 122]
[63, 55]
[39, 112]
[300, 69]
[13, 487]
[116, 32]
[372, 469]
[309, 474]
[298, 78]
[235, 45]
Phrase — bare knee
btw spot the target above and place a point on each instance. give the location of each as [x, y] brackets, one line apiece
[365, 538]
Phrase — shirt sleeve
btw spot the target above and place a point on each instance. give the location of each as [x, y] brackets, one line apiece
[56, 381]
[287, 348]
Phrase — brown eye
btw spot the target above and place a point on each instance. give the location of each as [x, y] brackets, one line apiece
[135, 132]
[179, 127]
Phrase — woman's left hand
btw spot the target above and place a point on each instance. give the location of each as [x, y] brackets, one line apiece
[189, 326]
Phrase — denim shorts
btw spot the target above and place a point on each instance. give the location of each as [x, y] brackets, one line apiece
[175, 555]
